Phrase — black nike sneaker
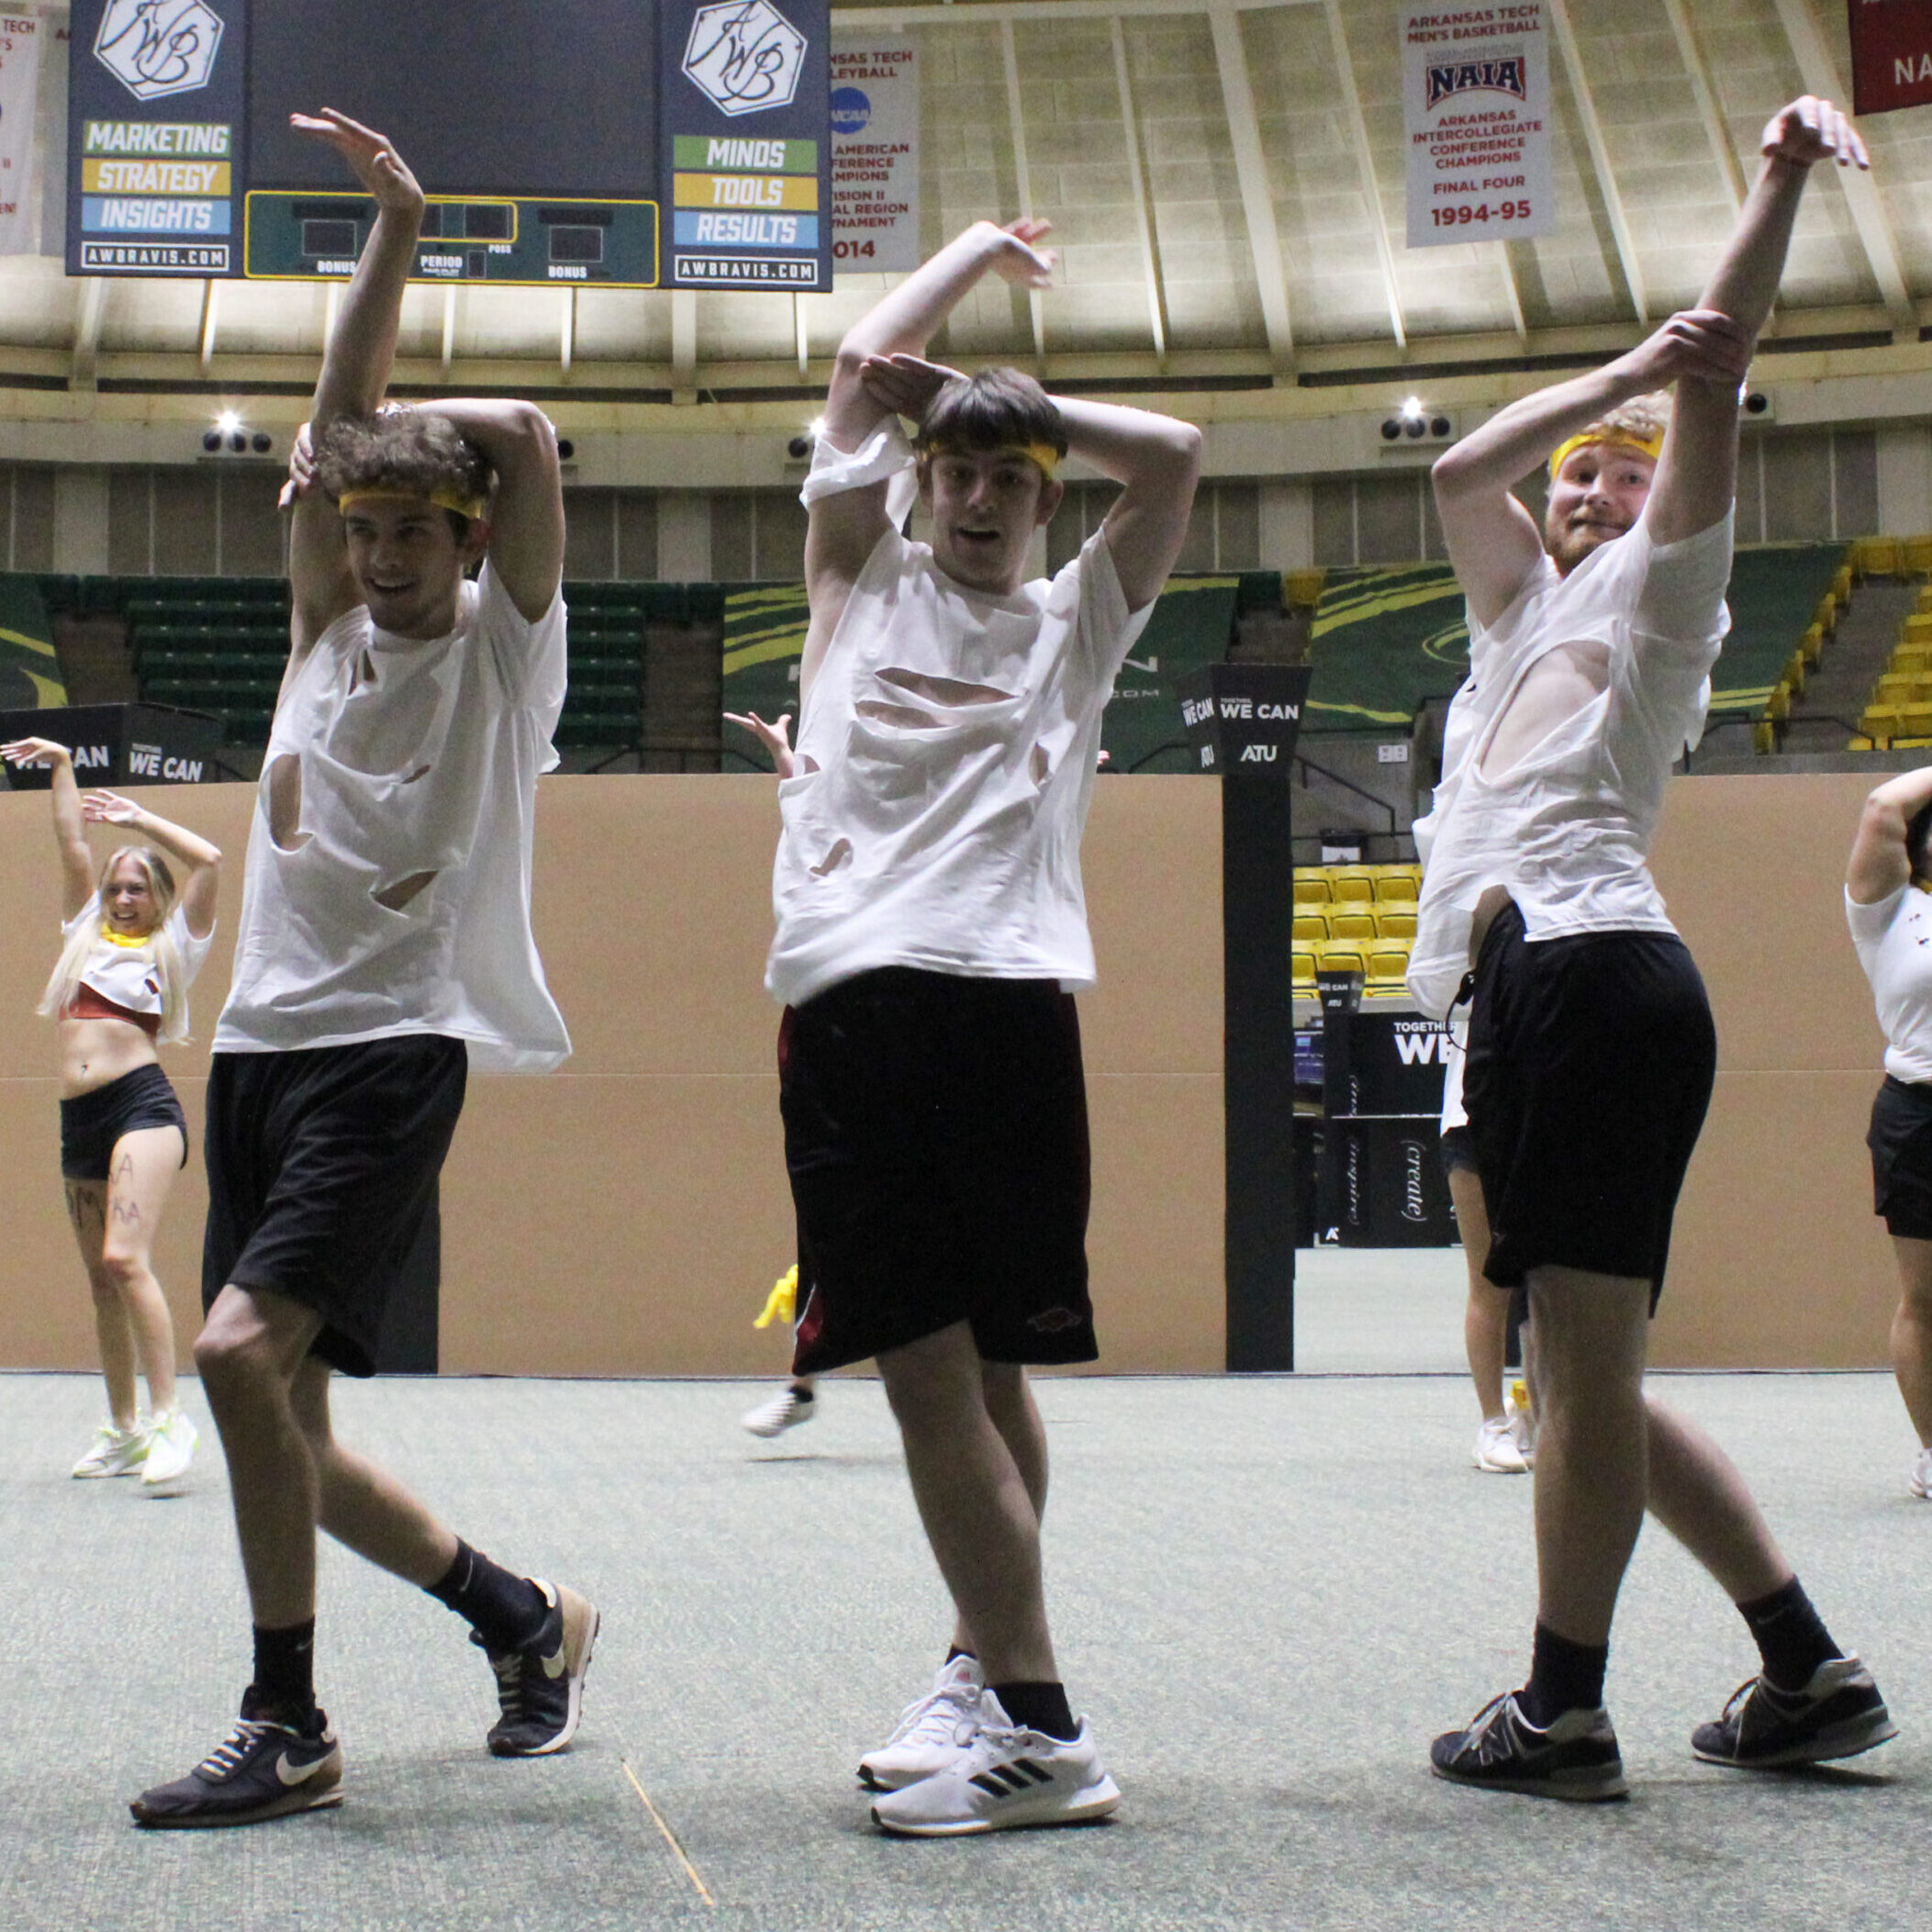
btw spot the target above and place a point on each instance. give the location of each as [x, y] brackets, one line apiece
[1577, 1758]
[1838, 1714]
[540, 1685]
[262, 1768]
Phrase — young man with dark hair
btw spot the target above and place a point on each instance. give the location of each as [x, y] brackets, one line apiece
[1591, 1051]
[385, 948]
[930, 932]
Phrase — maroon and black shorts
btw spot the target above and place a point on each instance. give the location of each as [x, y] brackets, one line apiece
[935, 1132]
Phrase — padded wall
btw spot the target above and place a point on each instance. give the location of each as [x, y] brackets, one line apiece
[625, 1214]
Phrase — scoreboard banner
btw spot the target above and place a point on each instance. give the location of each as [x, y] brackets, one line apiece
[746, 142]
[1476, 122]
[575, 143]
[1891, 54]
[875, 154]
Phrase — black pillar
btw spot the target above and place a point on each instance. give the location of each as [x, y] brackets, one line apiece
[1242, 722]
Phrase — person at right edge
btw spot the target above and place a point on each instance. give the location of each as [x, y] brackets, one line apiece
[1592, 1050]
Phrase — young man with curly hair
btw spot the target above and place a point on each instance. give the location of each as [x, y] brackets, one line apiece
[385, 948]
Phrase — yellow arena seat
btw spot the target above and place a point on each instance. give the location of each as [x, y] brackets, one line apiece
[1388, 970]
[1914, 720]
[1347, 921]
[1875, 556]
[1395, 924]
[1911, 657]
[1396, 888]
[1302, 588]
[1312, 888]
[1340, 956]
[1917, 631]
[1353, 882]
[1915, 556]
[1303, 959]
[1841, 585]
[1794, 673]
[1311, 929]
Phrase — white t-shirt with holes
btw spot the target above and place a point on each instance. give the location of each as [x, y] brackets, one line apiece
[1893, 938]
[1567, 826]
[945, 764]
[388, 879]
[129, 975]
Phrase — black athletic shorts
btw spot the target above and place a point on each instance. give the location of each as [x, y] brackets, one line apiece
[1900, 1138]
[1458, 1150]
[323, 1164]
[91, 1122]
[935, 1132]
[1591, 1064]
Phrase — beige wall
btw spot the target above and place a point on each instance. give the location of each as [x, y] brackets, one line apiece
[625, 1214]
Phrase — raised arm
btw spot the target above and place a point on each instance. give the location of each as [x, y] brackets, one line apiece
[1697, 472]
[202, 860]
[775, 738]
[1879, 862]
[526, 517]
[1156, 460]
[69, 832]
[356, 363]
[843, 529]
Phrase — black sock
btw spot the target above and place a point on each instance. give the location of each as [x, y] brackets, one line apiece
[284, 1687]
[1563, 1676]
[954, 1653]
[802, 1394]
[1791, 1637]
[1038, 1707]
[506, 1610]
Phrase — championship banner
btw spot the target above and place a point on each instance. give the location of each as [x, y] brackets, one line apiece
[1476, 115]
[1891, 54]
[875, 154]
[21, 38]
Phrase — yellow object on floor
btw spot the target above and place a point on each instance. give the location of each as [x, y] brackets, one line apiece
[782, 1303]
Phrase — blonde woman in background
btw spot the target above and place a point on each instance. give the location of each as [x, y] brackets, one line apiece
[134, 940]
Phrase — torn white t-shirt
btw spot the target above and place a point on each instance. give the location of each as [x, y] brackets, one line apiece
[945, 764]
[1567, 826]
[388, 878]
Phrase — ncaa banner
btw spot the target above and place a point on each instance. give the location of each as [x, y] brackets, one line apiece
[1476, 118]
[1891, 54]
[875, 152]
[21, 38]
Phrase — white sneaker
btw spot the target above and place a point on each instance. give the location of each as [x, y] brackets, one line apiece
[171, 1448]
[1005, 1779]
[1921, 1474]
[1497, 1452]
[115, 1452]
[932, 1732]
[784, 1410]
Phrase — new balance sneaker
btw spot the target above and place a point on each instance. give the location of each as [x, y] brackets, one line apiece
[1577, 1758]
[1920, 1482]
[1497, 1451]
[1005, 1779]
[261, 1770]
[931, 1732]
[1838, 1714]
[114, 1451]
[784, 1410]
[171, 1448]
[540, 1686]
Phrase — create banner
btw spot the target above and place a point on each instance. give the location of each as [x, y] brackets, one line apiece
[1891, 54]
[20, 39]
[875, 154]
[1476, 117]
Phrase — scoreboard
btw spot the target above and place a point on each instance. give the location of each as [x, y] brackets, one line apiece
[589, 143]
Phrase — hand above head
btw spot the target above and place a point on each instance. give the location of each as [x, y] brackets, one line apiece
[1020, 260]
[1811, 130]
[377, 165]
[301, 481]
[905, 383]
[35, 750]
[109, 807]
[1702, 345]
[775, 738]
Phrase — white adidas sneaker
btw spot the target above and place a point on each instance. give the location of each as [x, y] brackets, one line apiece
[931, 1732]
[1005, 1780]
[1497, 1451]
[1920, 1482]
[114, 1451]
[171, 1448]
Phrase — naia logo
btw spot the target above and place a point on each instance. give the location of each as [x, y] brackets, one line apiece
[1497, 76]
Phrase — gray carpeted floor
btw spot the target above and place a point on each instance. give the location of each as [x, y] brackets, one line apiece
[1269, 1595]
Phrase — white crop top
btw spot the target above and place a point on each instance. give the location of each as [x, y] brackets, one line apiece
[945, 764]
[1893, 939]
[129, 977]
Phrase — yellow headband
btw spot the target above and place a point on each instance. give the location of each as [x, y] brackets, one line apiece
[1651, 446]
[472, 506]
[1041, 455]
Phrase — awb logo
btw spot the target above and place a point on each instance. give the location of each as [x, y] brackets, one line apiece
[746, 56]
[155, 47]
[1501, 76]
